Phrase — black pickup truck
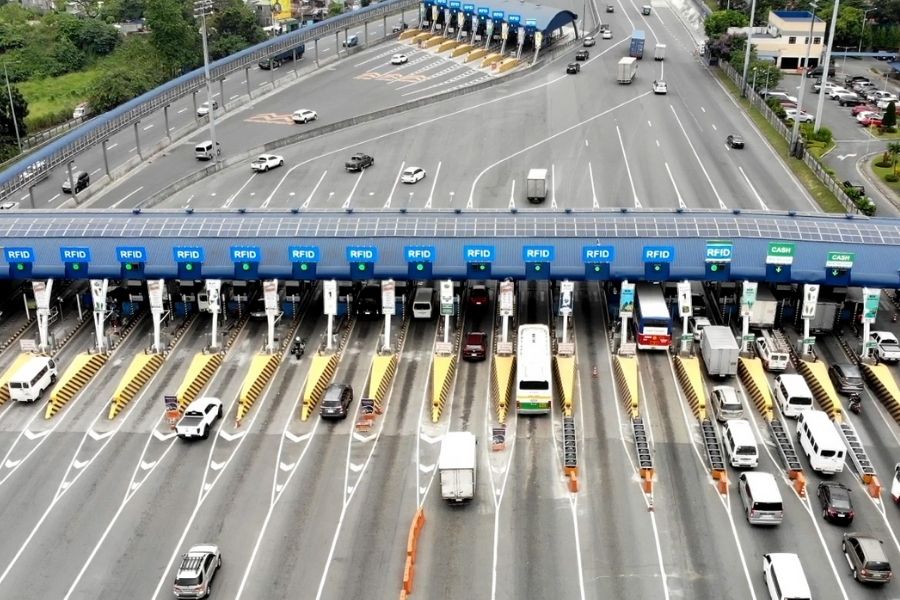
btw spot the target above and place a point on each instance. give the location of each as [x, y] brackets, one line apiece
[852, 189]
[359, 161]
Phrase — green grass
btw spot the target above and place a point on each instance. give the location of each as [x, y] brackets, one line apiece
[822, 195]
[881, 172]
[879, 135]
[47, 97]
[820, 149]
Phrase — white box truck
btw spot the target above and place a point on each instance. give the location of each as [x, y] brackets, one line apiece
[764, 310]
[536, 186]
[627, 69]
[659, 53]
[720, 351]
[456, 464]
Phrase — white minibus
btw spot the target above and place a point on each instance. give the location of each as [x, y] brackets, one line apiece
[793, 395]
[820, 442]
[740, 444]
[423, 303]
[30, 381]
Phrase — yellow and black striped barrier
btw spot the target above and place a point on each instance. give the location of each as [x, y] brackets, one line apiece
[754, 377]
[384, 367]
[626, 368]
[564, 369]
[442, 370]
[321, 371]
[142, 368]
[688, 370]
[816, 375]
[502, 368]
[882, 382]
[262, 368]
[83, 367]
[200, 371]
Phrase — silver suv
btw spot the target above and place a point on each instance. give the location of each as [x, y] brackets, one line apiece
[198, 567]
[866, 557]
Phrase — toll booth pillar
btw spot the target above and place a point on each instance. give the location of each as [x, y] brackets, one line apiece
[871, 299]
[98, 295]
[507, 289]
[538, 41]
[504, 34]
[488, 33]
[807, 312]
[388, 302]
[626, 309]
[329, 302]
[270, 298]
[213, 290]
[155, 294]
[42, 291]
[565, 306]
[748, 299]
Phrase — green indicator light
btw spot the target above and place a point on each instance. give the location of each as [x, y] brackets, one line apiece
[304, 267]
[361, 266]
[537, 267]
[713, 267]
[188, 266]
[482, 267]
[656, 267]
[20, 266]
[75, 266]
[596, 268]
[129, 266]
[420, 267]
[245, 266]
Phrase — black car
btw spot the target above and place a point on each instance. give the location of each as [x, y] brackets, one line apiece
[851, 187]
[368, 303]
[734, 141]
[852, 79]
[610, 8]
[81, 179]
[582, 55]
[336, 401]
[846, 378]
[835, 500]
[573, 68]
[359, 161]
[401, 26]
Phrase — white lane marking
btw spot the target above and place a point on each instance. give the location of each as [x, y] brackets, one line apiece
[675, 187]
[553, 205]
[512, 195]
[182, 110]
[133, 149]
[637, 201]
[53, 198]
[150, 126]
[596, 204]
[95, 171]
[753, 189]
[126, 197]
[235, 96]
[525, 149]
[346, 203]
[325, 50]
[241, 189]
[387, 203]
[713, 125]
[112, 146]
[243, 82]
[305, 205]
[23, 198]
[433, 185]
[697, 157]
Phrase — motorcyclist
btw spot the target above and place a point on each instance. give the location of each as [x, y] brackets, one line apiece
[299, 347]
[855, 402]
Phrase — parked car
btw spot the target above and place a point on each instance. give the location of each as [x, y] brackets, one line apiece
[876, 95]
[865, 554]
[573, 68]
[582, 55]
[860, 117]
[850, 80]
[412, 175]
[886, 56]
[835, 93]
[849, 99]
[660, 87]
[872, 121]
[476, 346]
[304, 115]
[862, 87]
[588, 41]
[827, 87]
[885, 102]
[399, 59]
[81, 179]
[359, 161]
[835, 500]
[863, 108]
[734, 141]
[265, 162]
[802, 116]
[195, 573]
[779, 95]
[198, 418]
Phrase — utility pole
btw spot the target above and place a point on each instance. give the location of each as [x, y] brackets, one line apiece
[12, 109]
[747, 50]
[795, 132]
[821, 103]
[201, 9]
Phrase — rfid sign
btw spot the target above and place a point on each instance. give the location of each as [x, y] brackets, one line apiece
[75, 260]
[246, 261]
[132, 260]
[514, 19]
[483, 11]
[303, 261]
[656, 261]
[718, 260]
[20, 261]
[468, 8]
[362, 261]
[596, 261]
[497, 15]
[189, 260]
[537, 261]
[419, 260]
[478, 261]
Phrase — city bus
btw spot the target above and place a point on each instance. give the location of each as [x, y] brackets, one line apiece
[534, 391]
[652, 320]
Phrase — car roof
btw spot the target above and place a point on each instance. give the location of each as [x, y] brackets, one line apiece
[871, 546]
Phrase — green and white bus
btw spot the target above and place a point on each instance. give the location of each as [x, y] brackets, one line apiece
[534, 388]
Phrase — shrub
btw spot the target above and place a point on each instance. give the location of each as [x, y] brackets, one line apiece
[892, 178]
[884, 163]
[865, 206]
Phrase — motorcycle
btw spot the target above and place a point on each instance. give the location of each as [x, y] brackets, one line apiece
[855, 404]
[299, 348]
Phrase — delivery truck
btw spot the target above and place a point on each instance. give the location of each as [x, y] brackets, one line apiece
[536, 186]
[637, 44]
[627, 69]
[765, 309]
[456, 465]
[720, 351]
[659, 53]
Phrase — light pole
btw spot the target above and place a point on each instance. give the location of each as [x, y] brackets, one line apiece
[747, 50]
[201, 9]
[753, 85]
[863, 29]
[820, 105]
[12, 109]
[844, 62]
[795, 132]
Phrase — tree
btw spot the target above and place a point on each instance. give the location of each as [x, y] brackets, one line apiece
[173, 33]
[335, 9]
[117, 11]
[893, 149]
[236, 19]
[8, 146]
[889, 121]
[767, 75]
[718, 22]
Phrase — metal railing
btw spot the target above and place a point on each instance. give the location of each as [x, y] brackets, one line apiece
[108, 124]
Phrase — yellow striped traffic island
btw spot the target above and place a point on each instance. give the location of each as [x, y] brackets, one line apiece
[689, 375]
[142, 368]
[753, 375]
[82, 368]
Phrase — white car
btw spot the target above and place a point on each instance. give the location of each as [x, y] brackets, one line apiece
[780, 96]
[9, 205]
[660, 87]
[606, 34]
[264, 162]
[304, 115]
[198, 567]
[399, 59]
[412, 175]
[588, 41]
[866, 114]
[198, 418]
[203, 109]
[837, 91]
[887, 348]
[876, 95]
[803, 117]
[885, 102]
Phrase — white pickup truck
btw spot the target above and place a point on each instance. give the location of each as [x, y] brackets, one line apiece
[887, 349]
[198, 418]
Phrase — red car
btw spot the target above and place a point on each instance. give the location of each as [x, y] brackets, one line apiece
[861, 108]
[872, 121]
[476, 346]
[478, 297]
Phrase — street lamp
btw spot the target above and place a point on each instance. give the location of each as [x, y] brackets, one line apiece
[747, 50]
[12, 108]
[863, 30]
[753, 85]
[844, 62]
[795, 132]
[201, 9]
[827, 67]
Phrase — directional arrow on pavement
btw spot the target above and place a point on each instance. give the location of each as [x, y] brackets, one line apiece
[845, 156]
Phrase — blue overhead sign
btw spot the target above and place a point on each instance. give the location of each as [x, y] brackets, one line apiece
[598, 254]
[497, 15]
[19, 255]
[531, 23]
[514, 19]
[362, 254]
[130, 254]
[304, 254]
[75, 254]
[538, 253]
[246, 254]
[484, 11]
[455, 4]
[188, 254]
[419, 253]
[478, 254]
[658, 254]
[469, 8]
[719, 251]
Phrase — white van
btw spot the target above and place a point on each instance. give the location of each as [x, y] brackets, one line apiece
[457, 464]
[784, 575]
[820, 442]
[30, 381]
[204, 150]
[773, 350]
[895, 484]
[740, 444]
[423, 303]
[761, 498]
[792, 394]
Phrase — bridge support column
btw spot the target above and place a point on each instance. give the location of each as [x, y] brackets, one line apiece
[384, 24]
[222, 94]
[366, 32]
[316, 51]
[42, 290]
[213, 287]
[194, 101]
[106, 156]
[247, 81]
[294, 62]
[31, 195]
[166, 123]
[71, 181]
[137, 139]
[272, 73]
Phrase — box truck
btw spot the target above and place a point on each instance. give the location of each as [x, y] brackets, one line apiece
[720, 351]
[456, 465]
[627, 69]
[536, 185]
[659, 53]
[637, 44]
[765, 309]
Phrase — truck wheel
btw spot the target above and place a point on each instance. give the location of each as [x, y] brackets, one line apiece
[206, 433]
